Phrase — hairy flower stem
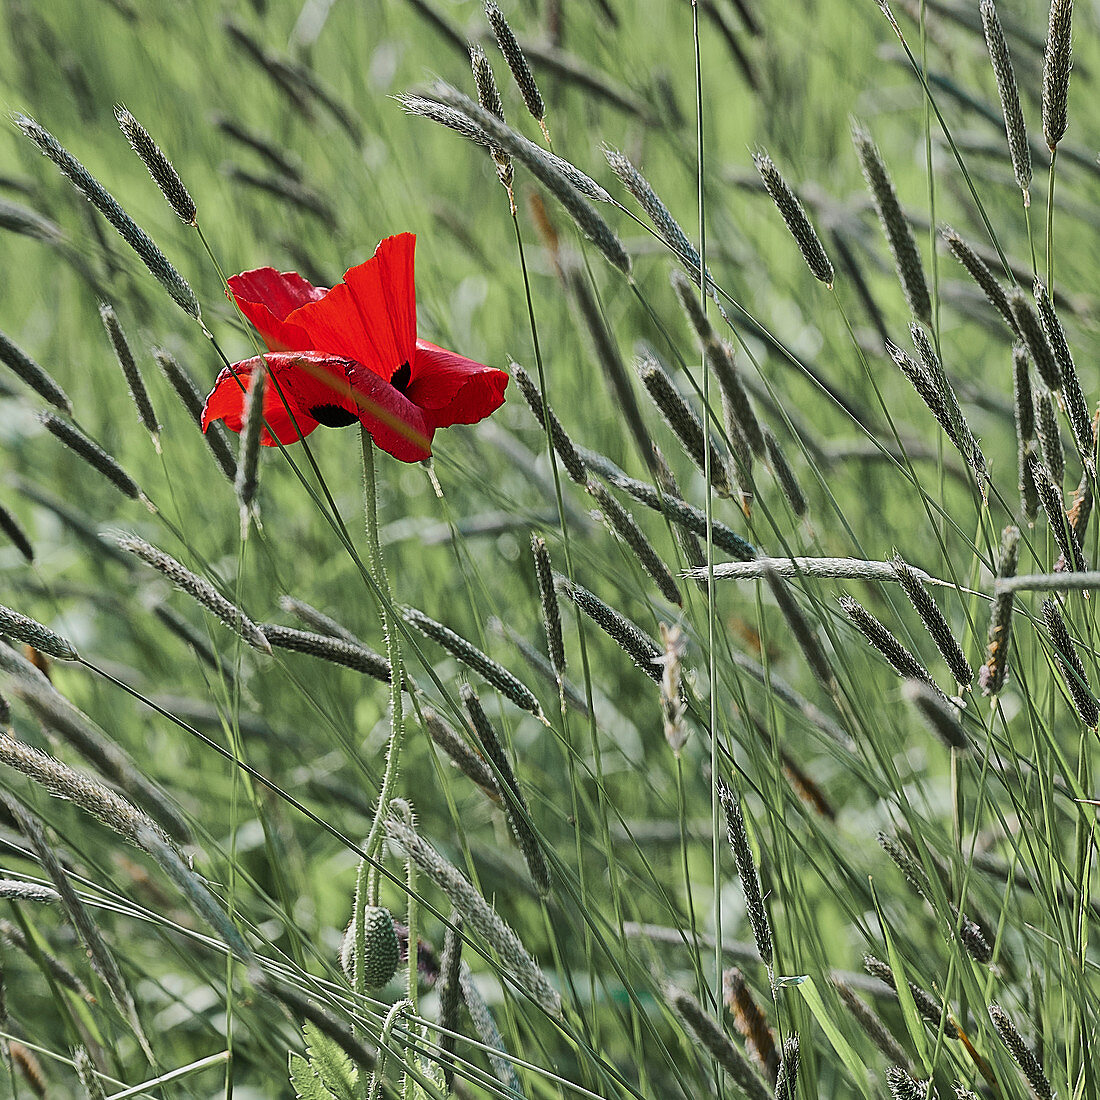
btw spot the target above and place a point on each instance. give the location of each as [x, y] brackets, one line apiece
[369, 896]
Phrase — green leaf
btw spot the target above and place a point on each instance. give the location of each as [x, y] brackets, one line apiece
[331, 1064]
[307, 1085]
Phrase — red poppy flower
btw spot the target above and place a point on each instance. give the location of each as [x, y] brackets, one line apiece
[351, 354]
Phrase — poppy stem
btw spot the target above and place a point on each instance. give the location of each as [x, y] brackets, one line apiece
[368, 896]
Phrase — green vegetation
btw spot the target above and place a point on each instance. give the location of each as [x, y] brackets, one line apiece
[220, 815]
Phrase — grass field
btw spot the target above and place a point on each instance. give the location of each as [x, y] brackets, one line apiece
[816, 819]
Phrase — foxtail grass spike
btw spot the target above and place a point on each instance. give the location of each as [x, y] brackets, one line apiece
[871, 1023]
[631, 639]
[1021, 1053]
[100, 955]
[793, 213]
[336, 651]
[317, 619]
[717, 1044]
[976, 268]
[200, 590]
[940, 715]
[88, 1075]
[683, 514]
[130, 372]
[473, 658]
[786, 1084]
[108, 206]
[540, 664]
[784, 474]
[803, 633]
[57, 714]
[659, 214]
[907, 865]
[1035, 339]
[1024, 407]
[84, 791]
[15, 889]
[1018, 147]
[903, 1087]
[571, 187]
[693, 308]
[91, 452]
[684, 423]
[934, 622]
[245, 481]
[515, 805]
[551, 616]
[1050, 438]
[899, 235]
[487, 1031]
[517, 63]
[927, 390]
[299, 1004]
[1076, 406]
[190, 397]
[750, 1021]
[563, 445]
[15, 533]
[489, 98]
[466, 759]
[926, 1004]
[22, 365]
[625, 526]
[1057, 62]
[738, 838]
[1073, 671]
[194, 891]
[16, 218]
[449, 993]
[992, 674]
[960, 432]
[479, 915]
[687, 540]
[11, 935]
[1050, 496]
[160, 168]
[34, 634]
[610, 358]
[904, 663]
[719, 356]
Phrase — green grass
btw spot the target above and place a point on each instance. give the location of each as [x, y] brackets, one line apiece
[265, 770]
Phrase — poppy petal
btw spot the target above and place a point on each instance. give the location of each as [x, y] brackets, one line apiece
[371, 316]
[395, 424]
[453, 389]
[266, 297]
[304, 389]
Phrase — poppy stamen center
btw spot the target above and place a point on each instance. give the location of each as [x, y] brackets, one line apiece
[333, 416]
[400, 378]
